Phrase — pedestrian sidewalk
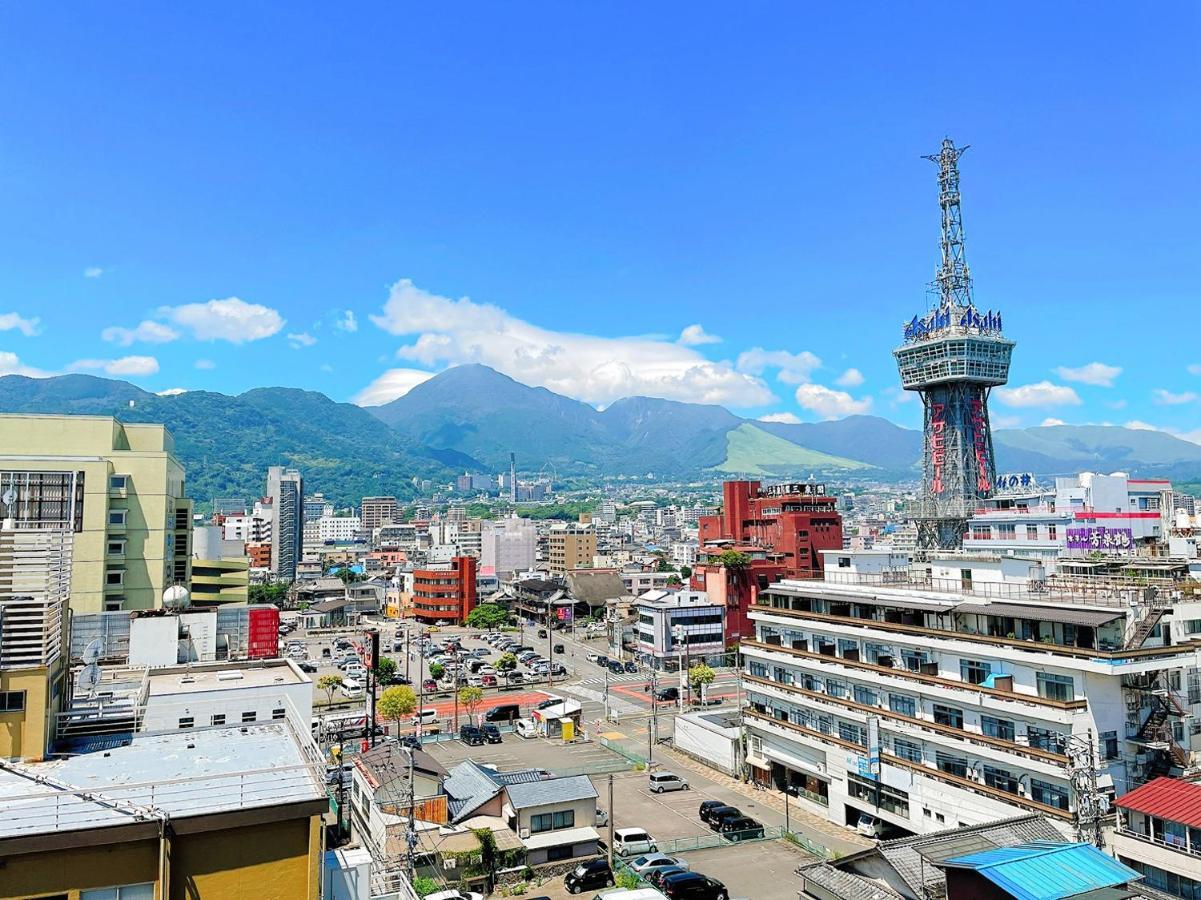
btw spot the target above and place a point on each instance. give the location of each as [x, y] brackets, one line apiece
[837, 839]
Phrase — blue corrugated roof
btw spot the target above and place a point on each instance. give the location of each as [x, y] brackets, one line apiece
[1045, 870]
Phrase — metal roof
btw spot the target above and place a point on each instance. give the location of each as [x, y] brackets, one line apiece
[1166, 798]
[844, 885]
[552, 790]
[1066, 615]
[1043, 870]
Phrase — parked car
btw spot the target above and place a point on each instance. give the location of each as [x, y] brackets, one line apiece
[475, 681]
[455, 895]
[869, 826]
[667, 693]
[399, 679]
[558, 668]
[488, 681]
[306, 666]
[693, 886]
[351, 689]
[524, 728]
[633, 841]
[649, 861]
[667, 781]
[515, 678]
[491, 733]
[602, 817]
[471, 736]
[593, 657]
[429, 685]
[427, 716]
[409, 741]
[345, 772]
[712, 810]
[588, 876]
[655, 876]
[740, 828]
[551, 700]
[718, 817]
[603, 662]
[506, 712]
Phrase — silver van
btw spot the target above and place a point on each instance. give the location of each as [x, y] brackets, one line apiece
[667, 781]
[633, 842]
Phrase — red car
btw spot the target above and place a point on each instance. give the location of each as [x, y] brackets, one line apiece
[487, 681]
[429, 685]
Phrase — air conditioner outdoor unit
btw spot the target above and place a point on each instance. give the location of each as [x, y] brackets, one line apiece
[524, 833]
[449, 862]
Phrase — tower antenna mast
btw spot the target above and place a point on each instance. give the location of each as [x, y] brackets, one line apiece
[954, 278]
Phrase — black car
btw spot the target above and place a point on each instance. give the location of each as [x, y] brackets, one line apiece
[740, 828]
[399, 679]
[616, 667]
[707, 806]
[411, 741]
[491, 733]
[632, 668]
[602, 661]
[506, 712]
[714, 814]
[559, 648]
[693, 886]
[542, 633]
[588, 876]
[472, 736]
[306, 666]
[668, 693]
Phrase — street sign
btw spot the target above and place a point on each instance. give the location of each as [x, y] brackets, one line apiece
[873, 747]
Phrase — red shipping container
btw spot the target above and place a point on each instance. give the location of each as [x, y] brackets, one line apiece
[264, 632]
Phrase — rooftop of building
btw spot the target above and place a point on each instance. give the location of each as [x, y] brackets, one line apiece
[223, 676]
[179, 774]
[544, 792]
[388, 761]
[674, 600]
[1166, 798]
[1046, 870]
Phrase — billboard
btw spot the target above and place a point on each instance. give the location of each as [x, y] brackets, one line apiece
[1100, 538]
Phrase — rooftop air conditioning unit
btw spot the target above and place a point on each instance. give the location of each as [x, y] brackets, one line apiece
[524, 833]
[449, 862]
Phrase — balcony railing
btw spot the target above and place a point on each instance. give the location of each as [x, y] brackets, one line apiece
[1180, 845]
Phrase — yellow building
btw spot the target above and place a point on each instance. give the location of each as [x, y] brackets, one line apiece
[570, 547]
[220, 581]
[130, 518]
[221, 813]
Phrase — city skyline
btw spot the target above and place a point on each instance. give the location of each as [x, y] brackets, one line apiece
[763, 229]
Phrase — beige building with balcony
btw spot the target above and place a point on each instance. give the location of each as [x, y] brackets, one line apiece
[120, 490]
[570, 547]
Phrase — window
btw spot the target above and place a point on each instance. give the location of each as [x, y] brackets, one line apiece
[851, 733]
[1192, 626]
[218, 718]
[864, 695]
[1056, 687]
[116, 548]
[1000, 779]
[835, 688]
[973, 671]
[952, 765]
[114, 577]
[1007, 532]
[565, 819]
[278, 714]
[541, 822]
[1049, 794]
[848, 649]
[186, 721]
[125, 892]
[899, 703]
[844, 562]
[997, 728]
[250, 716]
[12, 701]
[873, 652]
[118, 482]
[914, 659]
[908, 750]
[117, 516]
[1109, 744]
[557, 854]
[948, 715]
[1052, 532]
[1032, 532]
[1045, 739]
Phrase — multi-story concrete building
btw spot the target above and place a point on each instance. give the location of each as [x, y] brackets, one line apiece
[377, 511]
[570, 546]
[220, 567]
[131, 522]
[285, 487]
[446, 592]
[678, 628]
[507, 546]
[1158, 835]
[339, 529]
[966, 688]
[316, 506]
[684, 553]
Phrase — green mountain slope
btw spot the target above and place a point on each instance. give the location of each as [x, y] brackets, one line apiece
[752, 451]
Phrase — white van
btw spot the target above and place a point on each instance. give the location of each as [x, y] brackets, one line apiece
[633, 842]
[427, 716]
[351, 689]
[525, 728]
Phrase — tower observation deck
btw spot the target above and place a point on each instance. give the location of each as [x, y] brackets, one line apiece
[952, 357]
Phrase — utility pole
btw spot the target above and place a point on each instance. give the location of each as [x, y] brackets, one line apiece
[411, 835]
[612, 816]
[652, 734]
[607, 694]
[421, 694]
[373, 679]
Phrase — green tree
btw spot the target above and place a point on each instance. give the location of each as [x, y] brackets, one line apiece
[275, 592]
[437, 671]
[397, 703]
[505, 662]
[698, 675]
[350, 577]
[487, 616]
[662, 565]
[674, 580]
[732, 559]
[423, 885]
[385, 669]
[470, 698]
[329, 684]
[685, 572]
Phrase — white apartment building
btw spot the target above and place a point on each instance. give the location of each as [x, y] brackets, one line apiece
[960, 691]
[254, 526]
[339, 529]
[684, 553]
[508, 545]
[638, 583]
[663, 616]
[1079, 515]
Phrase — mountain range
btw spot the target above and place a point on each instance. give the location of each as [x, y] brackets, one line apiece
[470, 418]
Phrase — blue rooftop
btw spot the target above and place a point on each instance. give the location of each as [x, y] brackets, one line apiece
[1046, 870]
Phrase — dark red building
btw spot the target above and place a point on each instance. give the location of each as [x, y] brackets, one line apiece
[445, 594]
[781, 528]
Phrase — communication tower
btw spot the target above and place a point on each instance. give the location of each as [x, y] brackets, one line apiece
[953, 357]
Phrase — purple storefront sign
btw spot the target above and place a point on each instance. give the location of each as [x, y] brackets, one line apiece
[1098, 537]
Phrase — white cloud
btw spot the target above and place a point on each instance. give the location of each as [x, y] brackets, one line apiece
[829, 403]
[1166, 398]
[27, 327]
[1094, 373]
[695, 335]
[590, 368]
[1194, 369]
[347, 321]
[1050, 422]
[93, 272]
[10, 364]
[231, 319]
[301, 339]
[147, 332]
[794, 368]
[1043, 393]
[785, 417]
[850, 378]
[126, 365]
[392, 384]
[1139, 425]
[205, 364]
[172, 392]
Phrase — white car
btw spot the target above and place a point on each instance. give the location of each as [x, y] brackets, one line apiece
[455, 895]
[351, 689]
[524, 728]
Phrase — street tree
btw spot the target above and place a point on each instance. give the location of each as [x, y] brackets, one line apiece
[699, 675]
[470, 698]
[505, 662]
[385, 669]
[437, 670]
[397, 703]
[329, 684]
[487, 616]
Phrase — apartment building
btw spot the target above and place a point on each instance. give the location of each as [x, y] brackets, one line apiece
[679, 628]
[446, 592]
[507, 545]
[570, 546]
[117, 487]
[377, 511]
[285, 487]
[339, 529]
[964, 689]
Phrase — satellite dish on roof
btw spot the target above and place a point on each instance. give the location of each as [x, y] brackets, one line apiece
[88, 680]
[91, 653]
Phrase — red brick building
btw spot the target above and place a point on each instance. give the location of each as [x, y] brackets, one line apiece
[446, 593]
[781, 528]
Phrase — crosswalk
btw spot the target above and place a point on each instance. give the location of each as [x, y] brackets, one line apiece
[613, 679]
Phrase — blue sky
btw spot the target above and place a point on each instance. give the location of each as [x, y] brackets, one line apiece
[710, 202]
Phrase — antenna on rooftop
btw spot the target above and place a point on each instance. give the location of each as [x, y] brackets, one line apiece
[89, 676]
